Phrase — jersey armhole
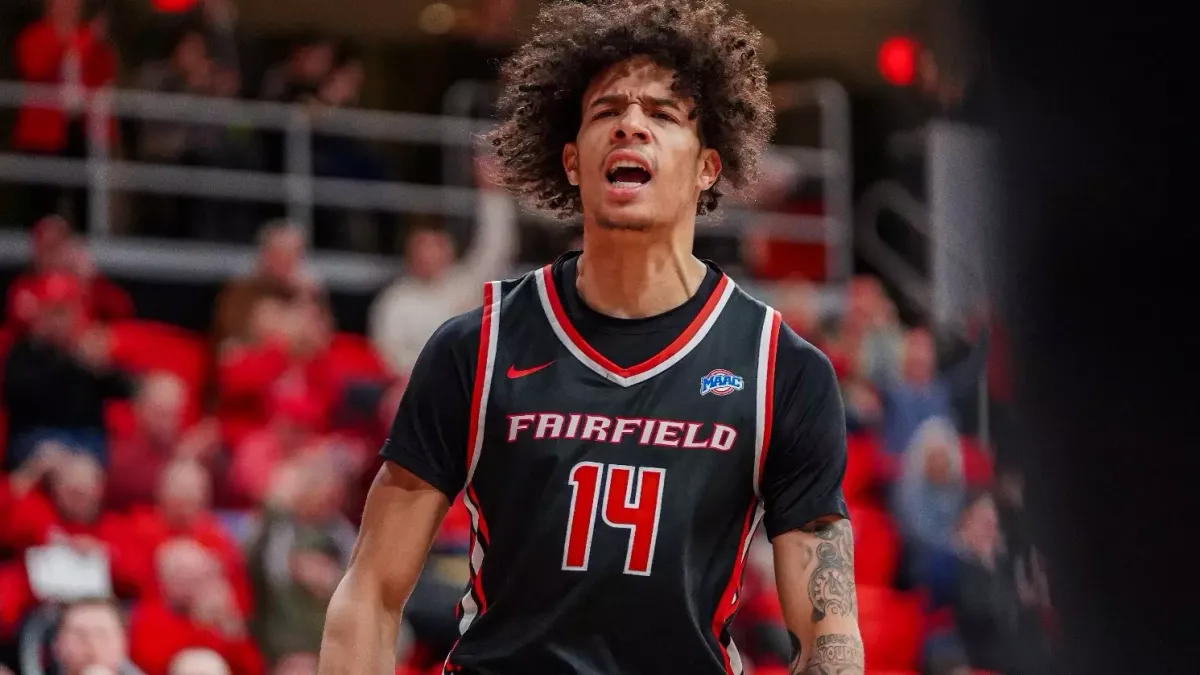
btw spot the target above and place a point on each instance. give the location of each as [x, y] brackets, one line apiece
[768, 346]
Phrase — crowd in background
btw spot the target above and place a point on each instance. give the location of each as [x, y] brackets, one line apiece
[218, 477]
[181, 504]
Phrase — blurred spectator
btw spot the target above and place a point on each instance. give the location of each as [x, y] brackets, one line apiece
[435, 289]
[293, 429]
[307, 65]
[800, 305]
[198, 662]
[71, 514]
[287, 357]
[51, 238]
[196, 607]
[930, 495]
[996, 612]
[192, 70]
[181, 510]
[104, 301]
[341, 156]
[299, 556]
[91, 640]
[60, 49]
[157, 437]
[58, 376]
[870, 332]
[279, 273]
[55, 250]
[922, 392]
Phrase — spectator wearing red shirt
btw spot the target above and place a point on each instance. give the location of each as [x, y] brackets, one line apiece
[181, 510]
[67, 512]
[157, 437]
[196, 607]
[289, 358]
[55, 250]
[50, 238]
[60, 49]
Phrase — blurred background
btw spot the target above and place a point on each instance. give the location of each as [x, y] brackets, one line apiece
[227, 227]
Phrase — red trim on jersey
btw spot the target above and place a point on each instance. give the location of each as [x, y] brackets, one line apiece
[769, 403]
[480, 372]
[480, 537]
[729, 599]
[680, 342]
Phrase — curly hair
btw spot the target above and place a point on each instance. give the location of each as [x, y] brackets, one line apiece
[713, 53]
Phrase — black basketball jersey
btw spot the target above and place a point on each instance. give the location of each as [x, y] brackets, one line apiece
[612, 507]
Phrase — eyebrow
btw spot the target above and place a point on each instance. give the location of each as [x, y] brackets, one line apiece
[613, 99]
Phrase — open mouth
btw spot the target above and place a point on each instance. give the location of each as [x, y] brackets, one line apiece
[627, 174]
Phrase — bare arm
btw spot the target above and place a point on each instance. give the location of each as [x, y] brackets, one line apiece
[814, 574]
[401, 518]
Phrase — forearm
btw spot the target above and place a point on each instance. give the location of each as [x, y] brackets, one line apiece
[360, 633]
[815, 577]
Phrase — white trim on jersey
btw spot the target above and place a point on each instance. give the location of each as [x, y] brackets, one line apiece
[609, 375]
[481, 414]
[763, 384]
[491, 322]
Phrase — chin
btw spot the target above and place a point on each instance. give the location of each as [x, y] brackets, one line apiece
[631, 217]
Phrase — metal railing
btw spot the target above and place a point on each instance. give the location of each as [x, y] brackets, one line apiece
[102, 174]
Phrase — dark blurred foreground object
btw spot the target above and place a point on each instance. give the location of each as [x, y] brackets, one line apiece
[1095, 258]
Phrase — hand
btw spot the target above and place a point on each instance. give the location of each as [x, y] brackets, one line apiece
[94, 349]
[46, 459]
[87, 545]
[214, 606]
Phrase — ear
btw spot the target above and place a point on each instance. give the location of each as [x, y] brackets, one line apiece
[710, 168]
[570, 160]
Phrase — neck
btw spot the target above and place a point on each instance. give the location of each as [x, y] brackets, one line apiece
[630, 274]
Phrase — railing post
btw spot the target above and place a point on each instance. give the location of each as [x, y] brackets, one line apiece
[298, 170]
[834, 107]
[98, 129]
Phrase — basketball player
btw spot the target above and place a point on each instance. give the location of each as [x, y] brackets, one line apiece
[621, 421]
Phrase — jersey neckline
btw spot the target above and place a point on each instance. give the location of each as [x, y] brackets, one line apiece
[691, 336]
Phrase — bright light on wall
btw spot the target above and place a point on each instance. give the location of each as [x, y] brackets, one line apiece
[898, 60]
[173, 6]
[437, 18]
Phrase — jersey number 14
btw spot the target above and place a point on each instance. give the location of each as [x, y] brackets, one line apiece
[632, 500]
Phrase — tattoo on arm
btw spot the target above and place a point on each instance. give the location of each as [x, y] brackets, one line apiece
[834, 654]
[831, 586]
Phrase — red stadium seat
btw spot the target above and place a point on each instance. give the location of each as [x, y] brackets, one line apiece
[862, 458]
[354, 356]
[143, 346]
[978, 466]
[876, 545]
[892, 624]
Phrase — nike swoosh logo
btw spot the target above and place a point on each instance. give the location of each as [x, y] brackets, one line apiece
[513, 373]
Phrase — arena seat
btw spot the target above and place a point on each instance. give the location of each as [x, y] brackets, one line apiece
[876, 545]
[892, 624]
[143, 346]
[978, 466]
[862, 451]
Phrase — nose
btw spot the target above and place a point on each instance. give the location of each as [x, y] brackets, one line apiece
[631, 126]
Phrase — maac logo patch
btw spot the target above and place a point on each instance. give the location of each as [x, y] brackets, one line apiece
[720, 382]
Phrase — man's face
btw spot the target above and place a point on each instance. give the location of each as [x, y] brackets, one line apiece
[429, 253]
[638, 159]
[90, 636]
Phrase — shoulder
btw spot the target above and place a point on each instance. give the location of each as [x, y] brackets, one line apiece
[459, 334]
[794, 354]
